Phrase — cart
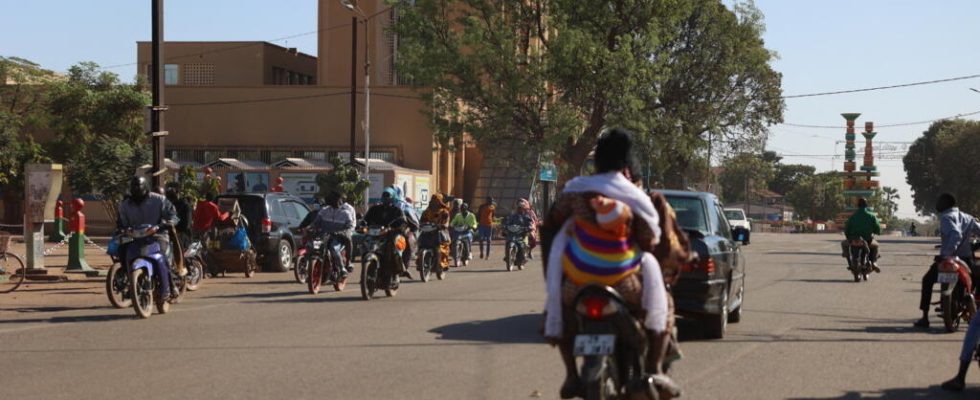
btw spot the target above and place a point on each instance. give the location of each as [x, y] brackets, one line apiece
[229, 248]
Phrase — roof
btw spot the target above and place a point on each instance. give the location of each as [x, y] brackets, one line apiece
[234, 163]
[377, 164]
[302, 163]
[767, 193]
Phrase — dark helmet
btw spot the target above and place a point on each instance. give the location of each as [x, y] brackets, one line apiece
[945, 202]
[332, 199]
[139, 188]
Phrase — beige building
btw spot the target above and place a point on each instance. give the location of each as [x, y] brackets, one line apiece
[258, 102]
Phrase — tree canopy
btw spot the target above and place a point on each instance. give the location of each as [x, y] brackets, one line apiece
[553, 74]
[942, 160]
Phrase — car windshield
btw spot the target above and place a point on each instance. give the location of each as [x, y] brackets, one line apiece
[734, 215]
[690, 213]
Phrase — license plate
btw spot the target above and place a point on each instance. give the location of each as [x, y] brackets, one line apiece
[948, 277]
[594, 345]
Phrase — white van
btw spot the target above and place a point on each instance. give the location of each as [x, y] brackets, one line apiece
[736, 218]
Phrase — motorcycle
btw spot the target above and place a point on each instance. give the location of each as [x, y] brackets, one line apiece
[461, 246]
[956, 301]
[859, 259]
[117, 280]
[194, 260]
[515, 255]
[327, 263]
[612, 345]
[429, 252]
[384, 247]
[302, 269]
[144, 259]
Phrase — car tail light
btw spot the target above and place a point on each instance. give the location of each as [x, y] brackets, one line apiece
[595, 307]
[266, 225]
[707, 266]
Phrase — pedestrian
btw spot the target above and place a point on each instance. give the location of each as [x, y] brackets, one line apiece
[485, 228]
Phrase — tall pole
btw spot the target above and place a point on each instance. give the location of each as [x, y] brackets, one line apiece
[367, 112]
[157, 110]
[353, 86]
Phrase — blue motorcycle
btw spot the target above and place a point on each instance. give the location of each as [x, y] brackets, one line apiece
[145, 260]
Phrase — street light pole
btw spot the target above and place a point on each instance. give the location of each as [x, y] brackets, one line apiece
[352, 6]
[156, 110]
[353, 86]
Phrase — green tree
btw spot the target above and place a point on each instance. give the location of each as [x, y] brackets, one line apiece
[746, 171]
[819, 197]
[552, 74]
[344, 178]
[788, 176]
[98, 122]
[941, 160]
[21, 114]
[885, 203]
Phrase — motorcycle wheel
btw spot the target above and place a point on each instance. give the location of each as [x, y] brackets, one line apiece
[142, 289]
[424, 266]
[195, 272]
[601, 384]
[315, 278]
[340, 284]
[950, 313]
[458, 252]
[521, 255]
[511, 256]
[302, 269]
[391, 289]
[369, 276]
[117, 286]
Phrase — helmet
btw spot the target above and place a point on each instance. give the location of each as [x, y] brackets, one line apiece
[388, 196]
[139, 188]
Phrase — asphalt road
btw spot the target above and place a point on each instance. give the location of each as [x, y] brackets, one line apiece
[808, 332]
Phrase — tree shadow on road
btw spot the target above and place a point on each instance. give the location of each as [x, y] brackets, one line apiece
[513, 329]
[932, 392]
[59, 320]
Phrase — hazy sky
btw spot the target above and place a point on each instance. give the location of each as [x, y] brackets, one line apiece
[823, 46]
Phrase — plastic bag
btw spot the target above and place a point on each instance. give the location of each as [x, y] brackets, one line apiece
[238, 241]
[113, 248]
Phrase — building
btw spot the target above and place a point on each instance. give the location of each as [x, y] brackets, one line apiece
[258, 102]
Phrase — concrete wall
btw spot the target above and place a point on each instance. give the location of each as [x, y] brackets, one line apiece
[276, 56]
[235, 63]
[313, 116]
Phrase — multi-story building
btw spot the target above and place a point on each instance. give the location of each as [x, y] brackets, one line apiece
[261, 103]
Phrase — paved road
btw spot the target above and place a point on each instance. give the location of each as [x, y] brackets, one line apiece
[808, 332]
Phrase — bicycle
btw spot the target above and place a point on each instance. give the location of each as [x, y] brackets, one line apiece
[12, 271]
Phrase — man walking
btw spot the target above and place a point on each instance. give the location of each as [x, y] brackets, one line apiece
[485, 228]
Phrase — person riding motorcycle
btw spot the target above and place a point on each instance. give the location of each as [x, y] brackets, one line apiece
[337, 218]
[411, 216]
[532, 237]
[863, 224]
[956, 228]
[602, 200]
[143, 208]
[385, 214]
[437, 213]
[467, 220]
[519, 217]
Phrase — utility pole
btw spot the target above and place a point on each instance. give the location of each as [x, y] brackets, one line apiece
[353, 88]
[157, 131]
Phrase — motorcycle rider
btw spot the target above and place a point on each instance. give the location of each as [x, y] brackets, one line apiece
[437, 213]
[518, 216]
[184, 211]
[337, 218]
[385, 214]
[532, 237]
[412, 217]
[956, 228]
[142, 207]
[464, 219]
[612, 161]
[863, 224]
[485, 228]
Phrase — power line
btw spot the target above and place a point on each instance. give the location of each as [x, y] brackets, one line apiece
[242, 46]
[884, 125]
[958, 78]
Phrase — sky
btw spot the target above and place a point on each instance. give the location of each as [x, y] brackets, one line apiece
[824, 45]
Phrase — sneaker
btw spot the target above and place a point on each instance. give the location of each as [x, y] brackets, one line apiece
[953, 385]
[407, 274]
[922, 323]
[875, 268]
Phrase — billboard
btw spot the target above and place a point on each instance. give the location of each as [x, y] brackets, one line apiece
[241, 182]
[302, 185]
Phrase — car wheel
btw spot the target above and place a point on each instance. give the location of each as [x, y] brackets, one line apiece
[283, 259]
[716, 324]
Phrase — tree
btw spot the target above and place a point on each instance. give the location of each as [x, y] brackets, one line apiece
[344, 178]
[746, 171]
[885, 203]
[941, 161]
[552, 74]
[789, 176]
[819, 197]
[98, 123]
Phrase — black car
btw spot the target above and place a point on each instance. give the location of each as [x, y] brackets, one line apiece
[274, 219]
[710, 289]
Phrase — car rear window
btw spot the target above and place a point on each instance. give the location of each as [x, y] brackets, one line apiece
[736, 215]
[690, 213]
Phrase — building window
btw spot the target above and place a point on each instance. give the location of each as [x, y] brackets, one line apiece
[171, 75]
[199, 74]
[292, 78]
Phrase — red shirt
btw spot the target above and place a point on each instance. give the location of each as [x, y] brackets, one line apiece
[205, 214]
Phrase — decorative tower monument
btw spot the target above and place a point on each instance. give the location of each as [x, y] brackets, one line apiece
[857, 183]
